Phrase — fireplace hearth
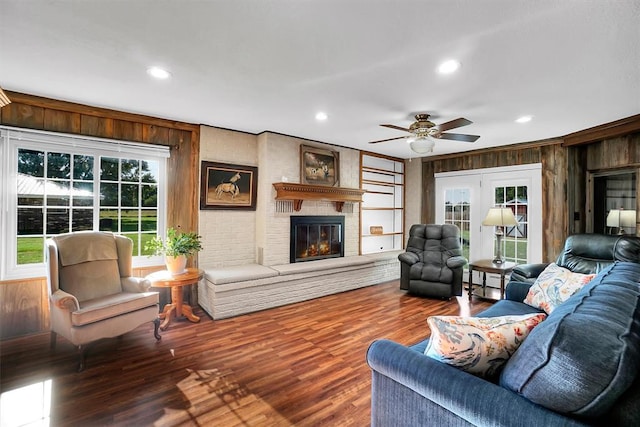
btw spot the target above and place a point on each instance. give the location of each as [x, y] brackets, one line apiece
[316, 237]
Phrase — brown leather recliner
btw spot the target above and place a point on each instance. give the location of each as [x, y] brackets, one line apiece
[433, 265]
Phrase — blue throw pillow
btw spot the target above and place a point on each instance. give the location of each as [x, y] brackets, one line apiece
[587, 353]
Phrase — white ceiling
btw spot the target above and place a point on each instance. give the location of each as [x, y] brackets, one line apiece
[268, 65]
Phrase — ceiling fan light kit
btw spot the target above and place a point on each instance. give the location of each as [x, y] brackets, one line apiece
[424, 133]
[421, 144]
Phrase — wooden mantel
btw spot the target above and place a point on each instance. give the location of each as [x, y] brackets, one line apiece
[301, 192]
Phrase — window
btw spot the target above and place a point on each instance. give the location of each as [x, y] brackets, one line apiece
[54, 183]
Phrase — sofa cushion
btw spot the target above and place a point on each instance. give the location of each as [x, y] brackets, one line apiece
[478, 345]
[90, 280]
[109, 306]
[587, 352]
[507, 307]
[88, 264]
[554, 286]
[238, 273]
[79, 247]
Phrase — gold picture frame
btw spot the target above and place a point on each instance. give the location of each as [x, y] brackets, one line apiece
[319, 166]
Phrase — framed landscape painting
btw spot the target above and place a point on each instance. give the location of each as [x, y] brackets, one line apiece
[318, 166]
[227, 186]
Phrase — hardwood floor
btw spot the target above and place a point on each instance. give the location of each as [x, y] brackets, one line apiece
[298, 365]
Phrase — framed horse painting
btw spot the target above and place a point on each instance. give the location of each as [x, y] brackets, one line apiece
[319, 166]
[227, 186]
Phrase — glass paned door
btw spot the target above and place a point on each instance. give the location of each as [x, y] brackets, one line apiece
[458, 202]
[464, 198]
[457, 211]
[514, 242]
[521, 192]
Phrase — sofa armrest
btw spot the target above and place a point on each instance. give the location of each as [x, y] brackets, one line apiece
[471, 398]
[516, 291]
[64, 301]
[408, 258]
[135, 284]
[527, 273]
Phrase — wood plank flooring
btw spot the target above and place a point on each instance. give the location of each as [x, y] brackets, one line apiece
[298, 365]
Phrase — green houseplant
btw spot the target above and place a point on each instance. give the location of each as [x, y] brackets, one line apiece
[175, 248]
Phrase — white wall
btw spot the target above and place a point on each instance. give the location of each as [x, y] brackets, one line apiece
[228, 236]
[413, 195]
[233, 237]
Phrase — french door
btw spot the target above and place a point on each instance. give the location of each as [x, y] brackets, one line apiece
[463, 198]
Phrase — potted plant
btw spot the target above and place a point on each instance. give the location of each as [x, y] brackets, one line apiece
[175, 248]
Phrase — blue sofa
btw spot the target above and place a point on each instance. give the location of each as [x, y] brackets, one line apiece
[578, 367]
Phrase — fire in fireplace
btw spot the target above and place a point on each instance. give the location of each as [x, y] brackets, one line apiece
[316, 237]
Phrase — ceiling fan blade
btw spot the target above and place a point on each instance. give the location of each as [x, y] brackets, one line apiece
[396, 127]
[384, 140]
[459, 137]
[453, 124]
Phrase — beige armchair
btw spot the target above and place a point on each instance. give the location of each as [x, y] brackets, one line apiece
[92, 294]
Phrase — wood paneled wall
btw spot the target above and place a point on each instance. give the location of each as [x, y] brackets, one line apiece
[550, 154]
[611, 154]
[24, 307]
[566, 163]
[24, 302]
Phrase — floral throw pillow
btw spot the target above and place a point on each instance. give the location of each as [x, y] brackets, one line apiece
[478, 345]
[554, 286]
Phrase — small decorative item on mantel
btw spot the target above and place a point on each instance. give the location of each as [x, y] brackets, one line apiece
[176, 248]
[376, 229]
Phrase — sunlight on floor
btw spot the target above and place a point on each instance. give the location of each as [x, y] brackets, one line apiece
[214, 397]
[26, 406]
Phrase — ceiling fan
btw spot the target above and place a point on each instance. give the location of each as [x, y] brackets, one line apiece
[425, 131]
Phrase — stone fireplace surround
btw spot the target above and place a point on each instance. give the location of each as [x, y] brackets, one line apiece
[246, 253]
[232, 291]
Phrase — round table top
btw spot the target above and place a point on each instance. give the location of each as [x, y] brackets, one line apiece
[492, 267]
[164, 279]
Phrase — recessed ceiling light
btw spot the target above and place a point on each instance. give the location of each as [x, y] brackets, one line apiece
[524, 119]
[448, 67]
[158, 73]
[321, 116]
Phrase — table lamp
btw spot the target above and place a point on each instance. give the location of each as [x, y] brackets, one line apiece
[499, 217]
[621, 219]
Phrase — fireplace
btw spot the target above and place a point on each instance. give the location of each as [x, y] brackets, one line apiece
[316, 237]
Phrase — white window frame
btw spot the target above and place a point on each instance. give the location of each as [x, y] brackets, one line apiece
[12, 139]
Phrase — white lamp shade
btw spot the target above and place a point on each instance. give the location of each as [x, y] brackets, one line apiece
[500, 217]
[628, 218]
[621, 218]
[421, 145]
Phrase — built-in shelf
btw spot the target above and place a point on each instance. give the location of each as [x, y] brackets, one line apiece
[383, 234]
[383, 203]
[301, 192]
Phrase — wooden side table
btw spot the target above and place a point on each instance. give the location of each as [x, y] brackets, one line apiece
[487, 266]
[164, 279]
